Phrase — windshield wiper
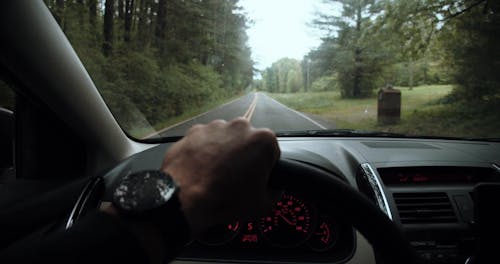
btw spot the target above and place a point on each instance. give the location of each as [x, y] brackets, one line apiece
[337, 133]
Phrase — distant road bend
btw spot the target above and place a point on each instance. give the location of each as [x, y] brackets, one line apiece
[260, 109]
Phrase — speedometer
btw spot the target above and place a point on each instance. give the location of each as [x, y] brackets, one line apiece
[290, 223]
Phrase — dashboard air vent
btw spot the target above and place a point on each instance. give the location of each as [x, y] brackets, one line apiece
[424, 208]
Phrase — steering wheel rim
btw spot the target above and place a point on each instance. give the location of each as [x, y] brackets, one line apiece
[350, 206]
[385, 236]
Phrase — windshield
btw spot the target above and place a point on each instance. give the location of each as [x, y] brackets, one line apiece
[412, 67]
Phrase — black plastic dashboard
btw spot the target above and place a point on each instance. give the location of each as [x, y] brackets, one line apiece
[424, 185]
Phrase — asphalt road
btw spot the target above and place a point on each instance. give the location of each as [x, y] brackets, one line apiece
[260, 109]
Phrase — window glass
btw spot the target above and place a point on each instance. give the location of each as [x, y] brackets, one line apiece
[414, 67]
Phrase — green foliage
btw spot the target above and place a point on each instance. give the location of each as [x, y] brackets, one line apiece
[155, 60]
[462, 37]
[352, 54]
[410, 43]
[423, 112]
[417, 73]
[471, 44]
[284, 76]
[459, 119]
[323, 84]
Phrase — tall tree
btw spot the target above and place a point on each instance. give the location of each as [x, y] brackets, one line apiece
[466, 33]
[59, 12]
[108, 27]
[92, 5]
[356, 58]
[143, 24]
[161, 26]
[284, 76]
[129, 13]
[121, 9]
[176, 53]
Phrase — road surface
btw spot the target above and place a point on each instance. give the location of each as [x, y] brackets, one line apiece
[260, 109]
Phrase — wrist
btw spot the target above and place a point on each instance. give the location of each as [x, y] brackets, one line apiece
[147, 234]
[193, 210]
[192, 198]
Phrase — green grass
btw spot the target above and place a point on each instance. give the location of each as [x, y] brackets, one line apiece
[355, 112]
[421, 114]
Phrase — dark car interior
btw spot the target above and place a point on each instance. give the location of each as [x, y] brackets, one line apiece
[354, 199]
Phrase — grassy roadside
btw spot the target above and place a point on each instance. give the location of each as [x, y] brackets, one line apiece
[421, 114]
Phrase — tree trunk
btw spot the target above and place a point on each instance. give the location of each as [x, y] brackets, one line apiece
[59, 13]
[129, 12]
[92, 6]
[142, 25]
[80, 13]
[410, 73]
[121, 12]
[161, 25]
[92, 14]
[107, 46]
[356, 89]
[426, 70]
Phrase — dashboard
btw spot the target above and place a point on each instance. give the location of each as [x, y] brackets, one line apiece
[427, 187]
[297, 229]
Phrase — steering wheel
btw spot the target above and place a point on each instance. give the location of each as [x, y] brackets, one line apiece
[350, 206]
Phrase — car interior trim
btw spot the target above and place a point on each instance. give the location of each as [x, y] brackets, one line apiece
[82, 201]
[374, 181]
[496, 167]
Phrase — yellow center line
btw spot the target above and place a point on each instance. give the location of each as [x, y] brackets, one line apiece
[248, 114]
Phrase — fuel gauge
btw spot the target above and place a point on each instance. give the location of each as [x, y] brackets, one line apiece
[220, 234]
[324, 237]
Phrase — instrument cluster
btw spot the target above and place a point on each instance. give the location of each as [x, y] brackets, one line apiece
[293, 223]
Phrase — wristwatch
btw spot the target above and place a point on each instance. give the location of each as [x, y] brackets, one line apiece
[152, 197]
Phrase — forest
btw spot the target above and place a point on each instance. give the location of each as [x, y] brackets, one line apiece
[162, 57]
[373, 44]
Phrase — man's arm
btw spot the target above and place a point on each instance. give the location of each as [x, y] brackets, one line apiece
[222, 169]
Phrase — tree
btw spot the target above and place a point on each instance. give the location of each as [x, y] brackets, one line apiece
[471, 40]
[129, 13]
[143, 25]
[284, 76]
[92, 4]
[462, 33]
[163, 57]
[59, 13]
[356, 59]
[108, 26]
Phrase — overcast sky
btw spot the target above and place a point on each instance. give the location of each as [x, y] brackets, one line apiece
[281, 29]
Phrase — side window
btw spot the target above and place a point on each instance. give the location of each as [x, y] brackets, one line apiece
[7, 102]
[6, 96]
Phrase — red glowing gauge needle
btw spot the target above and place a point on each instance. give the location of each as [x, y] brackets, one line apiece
[286, 220]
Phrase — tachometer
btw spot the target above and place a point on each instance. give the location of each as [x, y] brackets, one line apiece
[290, 223]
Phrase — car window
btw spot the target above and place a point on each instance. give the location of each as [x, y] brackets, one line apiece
[7, 99]
[413, 67]
[7, 103]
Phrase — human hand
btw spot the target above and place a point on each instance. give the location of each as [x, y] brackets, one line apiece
[223, 169]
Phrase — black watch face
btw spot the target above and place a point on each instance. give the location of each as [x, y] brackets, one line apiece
[144, 190]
